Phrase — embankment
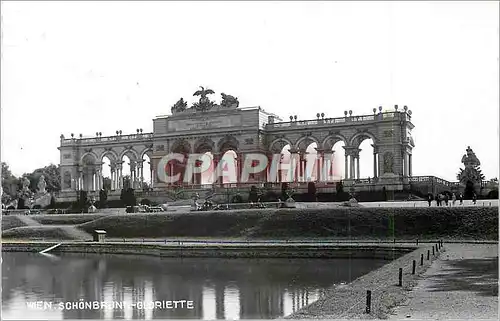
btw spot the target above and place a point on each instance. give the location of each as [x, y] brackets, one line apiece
[388, 252]
[478, 223]
[475, 223]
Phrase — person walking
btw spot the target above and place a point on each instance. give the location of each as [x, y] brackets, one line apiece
[446, 199]
[453, 199]
[474, 198]
[438, 200]
[461, 198]
[429, 199]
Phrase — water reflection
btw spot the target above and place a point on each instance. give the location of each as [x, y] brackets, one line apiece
[219, 288]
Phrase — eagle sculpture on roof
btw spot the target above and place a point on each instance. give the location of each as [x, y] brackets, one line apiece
[203, 92]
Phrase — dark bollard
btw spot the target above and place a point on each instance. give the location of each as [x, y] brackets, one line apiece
[413, 267]
[417, 241]
[394, 241]
[368, 301]
[433, 250]
[428, 254]
[400, 277]
[421, 259]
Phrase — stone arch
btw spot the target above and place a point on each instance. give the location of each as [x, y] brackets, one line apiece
[358, 138]
[146, 151]
[226, 143]
[129, 152]
[180, 146]
[277, 145]
[204, 145]
[86, 157]
[332, 139]
[111, 154]
[304, 142]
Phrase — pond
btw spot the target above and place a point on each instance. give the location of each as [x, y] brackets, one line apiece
[105, 286]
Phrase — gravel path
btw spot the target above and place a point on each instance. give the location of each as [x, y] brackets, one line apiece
[461, 284]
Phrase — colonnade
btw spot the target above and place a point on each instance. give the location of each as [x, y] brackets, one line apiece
[300, 160]
[90, 177]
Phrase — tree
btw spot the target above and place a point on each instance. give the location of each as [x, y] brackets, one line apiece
[253, 195]
[284, 191]
[128, 197]
[52, 176]
[341, 194]
[9, 183]
[103, 198]
[311, 192]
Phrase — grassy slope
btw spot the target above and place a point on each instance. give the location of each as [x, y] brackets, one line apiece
[45, 232]
[66, 219]
[11, 221]
[479, 223]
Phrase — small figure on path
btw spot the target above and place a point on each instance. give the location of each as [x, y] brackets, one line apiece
[474, 198]
[446, 199]
[453, 199]
[429, 199]
[461, 198]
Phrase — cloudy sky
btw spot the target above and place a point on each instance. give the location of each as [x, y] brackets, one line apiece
[82, 67]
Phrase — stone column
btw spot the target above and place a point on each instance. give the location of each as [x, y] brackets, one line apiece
[92, 181]
[357, 167]
[80, 180]
[375, 162]
[410, 173]
[352, 170]
[294, 158]
[98, 176]
[119, 168]
[320, 164]
[405, 164]
[140, 168]
[133, 175]
[346, 170]
[327, 165]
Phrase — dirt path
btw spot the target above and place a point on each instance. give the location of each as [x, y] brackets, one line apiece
[74, 232]
[28, 221]
[461, 284]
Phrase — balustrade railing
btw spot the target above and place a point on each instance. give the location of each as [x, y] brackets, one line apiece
[341, 120]
[97, 140]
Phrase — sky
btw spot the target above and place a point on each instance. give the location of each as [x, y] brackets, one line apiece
[89, 66]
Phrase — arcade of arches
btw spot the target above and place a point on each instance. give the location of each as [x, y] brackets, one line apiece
[371, 149]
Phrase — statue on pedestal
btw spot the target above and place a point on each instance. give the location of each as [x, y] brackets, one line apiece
[42, 185]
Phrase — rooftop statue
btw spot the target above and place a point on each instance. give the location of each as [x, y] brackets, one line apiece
[179, 106]
[229, 101]
[204, 103]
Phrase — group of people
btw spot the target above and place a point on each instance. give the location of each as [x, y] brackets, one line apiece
[443, 199]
